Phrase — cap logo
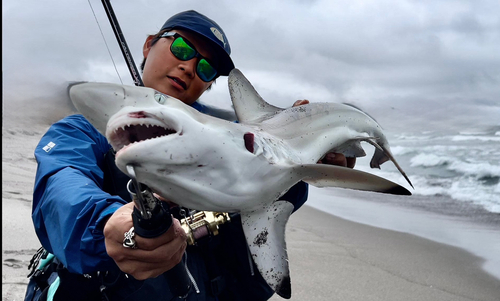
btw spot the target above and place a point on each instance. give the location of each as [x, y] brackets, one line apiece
[218, 35]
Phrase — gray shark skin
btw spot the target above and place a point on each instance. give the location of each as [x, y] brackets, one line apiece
[207, 163]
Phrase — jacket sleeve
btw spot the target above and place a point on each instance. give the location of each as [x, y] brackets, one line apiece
[69, 204]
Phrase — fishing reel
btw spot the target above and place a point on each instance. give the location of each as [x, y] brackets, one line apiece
[202, 224]
[152, 217]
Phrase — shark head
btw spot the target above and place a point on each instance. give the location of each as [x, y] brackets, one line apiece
[207, 163]
[191, 158]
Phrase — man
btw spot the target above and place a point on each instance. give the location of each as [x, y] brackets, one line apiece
[80, 210]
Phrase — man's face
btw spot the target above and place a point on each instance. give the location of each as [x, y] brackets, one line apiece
[169, 75]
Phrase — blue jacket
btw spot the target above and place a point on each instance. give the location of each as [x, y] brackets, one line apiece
[69, 204]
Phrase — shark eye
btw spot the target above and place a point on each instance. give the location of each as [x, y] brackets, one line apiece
[160, 98]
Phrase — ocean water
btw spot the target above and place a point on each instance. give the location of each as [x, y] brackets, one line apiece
[464, 166]
[455, 174]
[456, 194]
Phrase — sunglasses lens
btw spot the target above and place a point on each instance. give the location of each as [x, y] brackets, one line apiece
[182, 50]
[205, 71]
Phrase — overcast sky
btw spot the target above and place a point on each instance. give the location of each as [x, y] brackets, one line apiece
[413, 65]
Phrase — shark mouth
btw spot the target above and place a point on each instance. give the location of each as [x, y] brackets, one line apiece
[140, 129]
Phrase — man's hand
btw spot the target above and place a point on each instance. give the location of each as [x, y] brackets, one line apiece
[153, 256]
[338, 159]
[331, 158]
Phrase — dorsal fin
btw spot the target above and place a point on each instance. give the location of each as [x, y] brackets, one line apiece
[248, 105]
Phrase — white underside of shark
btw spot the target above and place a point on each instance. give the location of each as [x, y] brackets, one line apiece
[207, 163]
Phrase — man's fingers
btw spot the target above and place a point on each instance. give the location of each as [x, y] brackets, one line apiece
[334, 159]
[338, 159]
[351, 162]
[171, 252]
[144, 264]
[141, 270]
[153, 256]
[174, 232]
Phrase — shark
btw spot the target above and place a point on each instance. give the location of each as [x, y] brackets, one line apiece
[208, 163]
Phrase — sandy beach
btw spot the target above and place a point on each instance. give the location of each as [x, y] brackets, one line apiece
[19, 241]
[335, 259]
[330, 258]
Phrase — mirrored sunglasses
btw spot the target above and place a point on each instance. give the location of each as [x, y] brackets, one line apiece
[183, 50]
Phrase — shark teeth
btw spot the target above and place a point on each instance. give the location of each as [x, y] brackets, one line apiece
[133, 133]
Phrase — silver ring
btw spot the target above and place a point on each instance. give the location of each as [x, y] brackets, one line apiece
[129, 241]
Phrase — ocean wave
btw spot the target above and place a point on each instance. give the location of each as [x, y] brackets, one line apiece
[486, 198]
[430, 160]
[402, 150]
[399, 150]
[430, 188]
[464, 167]
[464, 189]
[477, 170]
[480, 185]
[413, 137]
[441, 145]
[474, 137]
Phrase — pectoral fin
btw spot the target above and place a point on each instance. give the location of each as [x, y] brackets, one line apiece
[322, 175]
[265, 234]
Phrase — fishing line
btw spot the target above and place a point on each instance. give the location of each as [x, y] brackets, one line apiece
[104, 38]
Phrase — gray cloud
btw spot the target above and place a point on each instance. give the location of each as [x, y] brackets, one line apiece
[413, 65]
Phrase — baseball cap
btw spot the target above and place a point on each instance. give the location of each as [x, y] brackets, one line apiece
[200, 24]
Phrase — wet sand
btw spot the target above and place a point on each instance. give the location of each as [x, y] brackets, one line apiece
[19, 241]
[335, 259]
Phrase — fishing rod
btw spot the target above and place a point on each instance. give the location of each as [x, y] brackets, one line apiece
[151, 217]
[122, 43]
